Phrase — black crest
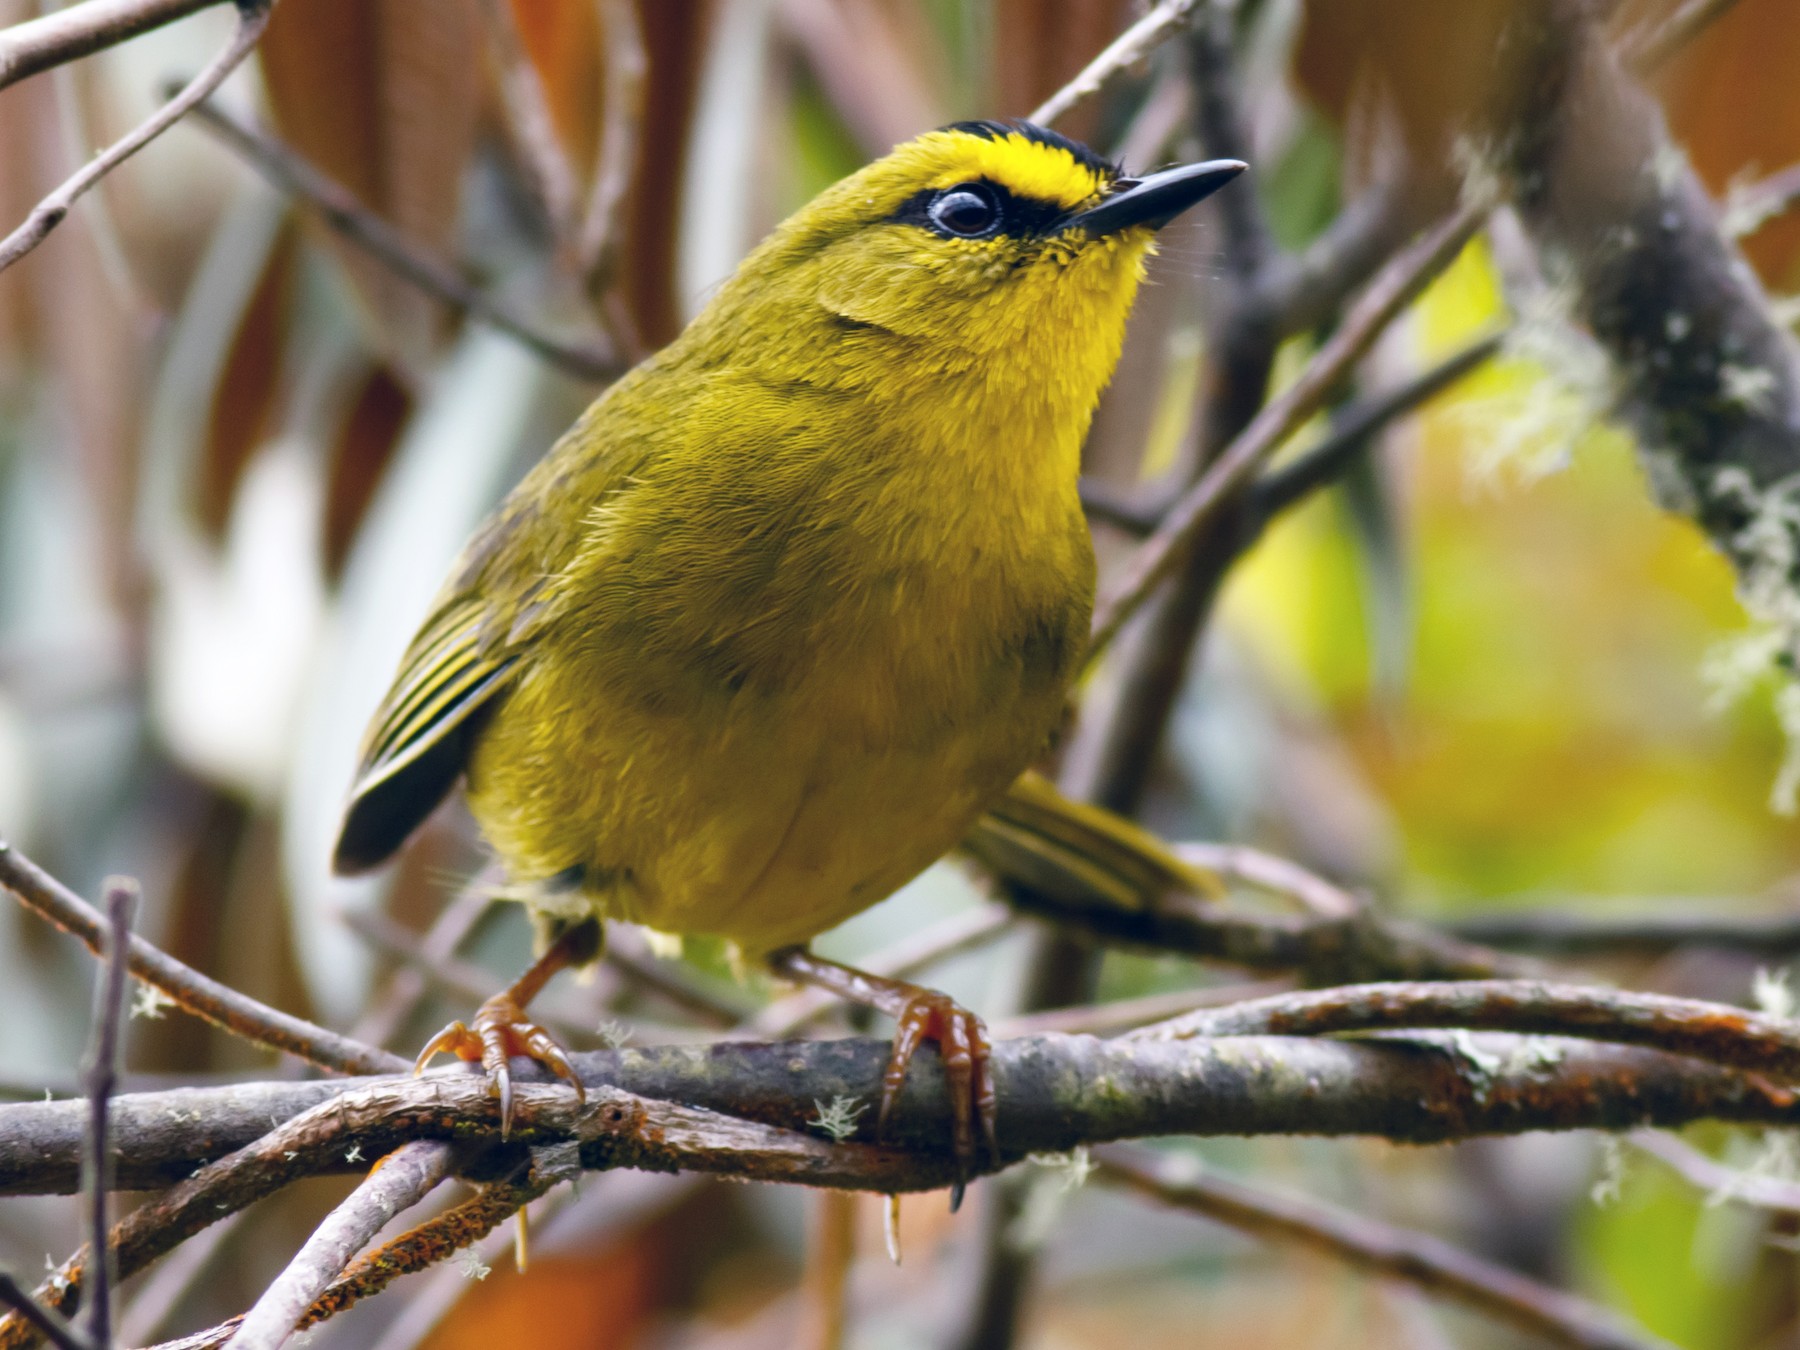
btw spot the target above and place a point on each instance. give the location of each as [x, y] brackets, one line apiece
[1031, 131]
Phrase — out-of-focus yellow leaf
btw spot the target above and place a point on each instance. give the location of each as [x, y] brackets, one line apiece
[383, 96]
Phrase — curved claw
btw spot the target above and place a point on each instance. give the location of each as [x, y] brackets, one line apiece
[964, 1047]
[501, 1030]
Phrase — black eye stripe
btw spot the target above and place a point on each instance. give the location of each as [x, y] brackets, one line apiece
[1020, 217]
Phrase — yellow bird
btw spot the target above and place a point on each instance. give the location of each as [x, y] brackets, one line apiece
[797, 598]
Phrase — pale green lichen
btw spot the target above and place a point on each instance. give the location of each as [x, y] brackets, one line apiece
[837, 1118]
[613, 1034]
[1059, 1177]
[149, 1003]
[1532, 428]
[1766, 547]
[1610, 1184]
[470, 1265]
[1752, 388]
[1771, 992]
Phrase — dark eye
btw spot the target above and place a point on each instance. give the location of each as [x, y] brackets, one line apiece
[970, 210]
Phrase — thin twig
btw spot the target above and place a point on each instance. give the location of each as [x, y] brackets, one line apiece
[205, 998]
[830, 1253]
[430, 1243]
[1130, 47]
[626, 69]
[339, 208]
[786, 1016]
[1567, 931]
[1711, 1031]
[1279, 876]
[253, 18]
[646, 970]
[397, 1183]
[1674, 33]
[1419, 1259]
[100, 1078]
[399, 997]
[53, 1326]
[81, 30]
[1101, 1019]
[1392, 290]
[1715, 1178]
[1139, 509]
[1750, 207]
[451, 974]
[528, 118]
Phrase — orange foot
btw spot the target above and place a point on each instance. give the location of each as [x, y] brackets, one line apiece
[500, 1031]
[965, 1049]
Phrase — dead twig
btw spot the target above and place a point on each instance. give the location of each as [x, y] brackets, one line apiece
[205, 998]
[1392, 290]
[52, 1326]
[100, 1079]
[1130, 47]
[339, 208]
[1418, 1259]
[1715, 1178]
[528, 119]
[398, 1182]
[1684, 1026]
[627, 68]
[81, 30]
[253, 18]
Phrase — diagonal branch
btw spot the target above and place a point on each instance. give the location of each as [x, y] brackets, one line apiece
[1419, 1259]
[338, 208]
[1392, 290]
[81, 30]
[1683, 1026]
[253, 18]
[198, 994]
[100, 1078]
[1130, 47]
[398, 1182]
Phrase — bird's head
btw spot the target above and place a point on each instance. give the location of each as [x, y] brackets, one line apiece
[978, 244]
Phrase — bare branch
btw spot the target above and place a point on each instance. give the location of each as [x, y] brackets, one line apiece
[253, 17]
[100, 1078]
[1564, 931]
[81, 30]
[789, 1014]
[528, 118]
[1749, 208]
[1380, 1249]
[1674, 33]
[1710, 1031]
[198, 994]
[1392, 290]
[53, 1326]
[1130, 47]
[398, 1182]
[430, 1243]
[627, 66]
[1055, 1092]
[338, 207]
[1280, 876]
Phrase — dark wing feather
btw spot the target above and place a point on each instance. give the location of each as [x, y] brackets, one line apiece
[420, 739]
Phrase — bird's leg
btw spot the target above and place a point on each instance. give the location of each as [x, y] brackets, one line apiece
[500, 1028]
[920, 1015]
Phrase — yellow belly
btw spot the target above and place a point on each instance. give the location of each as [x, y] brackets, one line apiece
[651, 793]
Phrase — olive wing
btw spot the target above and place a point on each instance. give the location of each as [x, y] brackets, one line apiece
[420, 739]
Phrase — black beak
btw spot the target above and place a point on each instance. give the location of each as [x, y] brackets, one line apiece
[1159, 198]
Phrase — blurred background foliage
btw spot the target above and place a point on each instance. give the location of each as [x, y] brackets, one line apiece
[236, 455]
